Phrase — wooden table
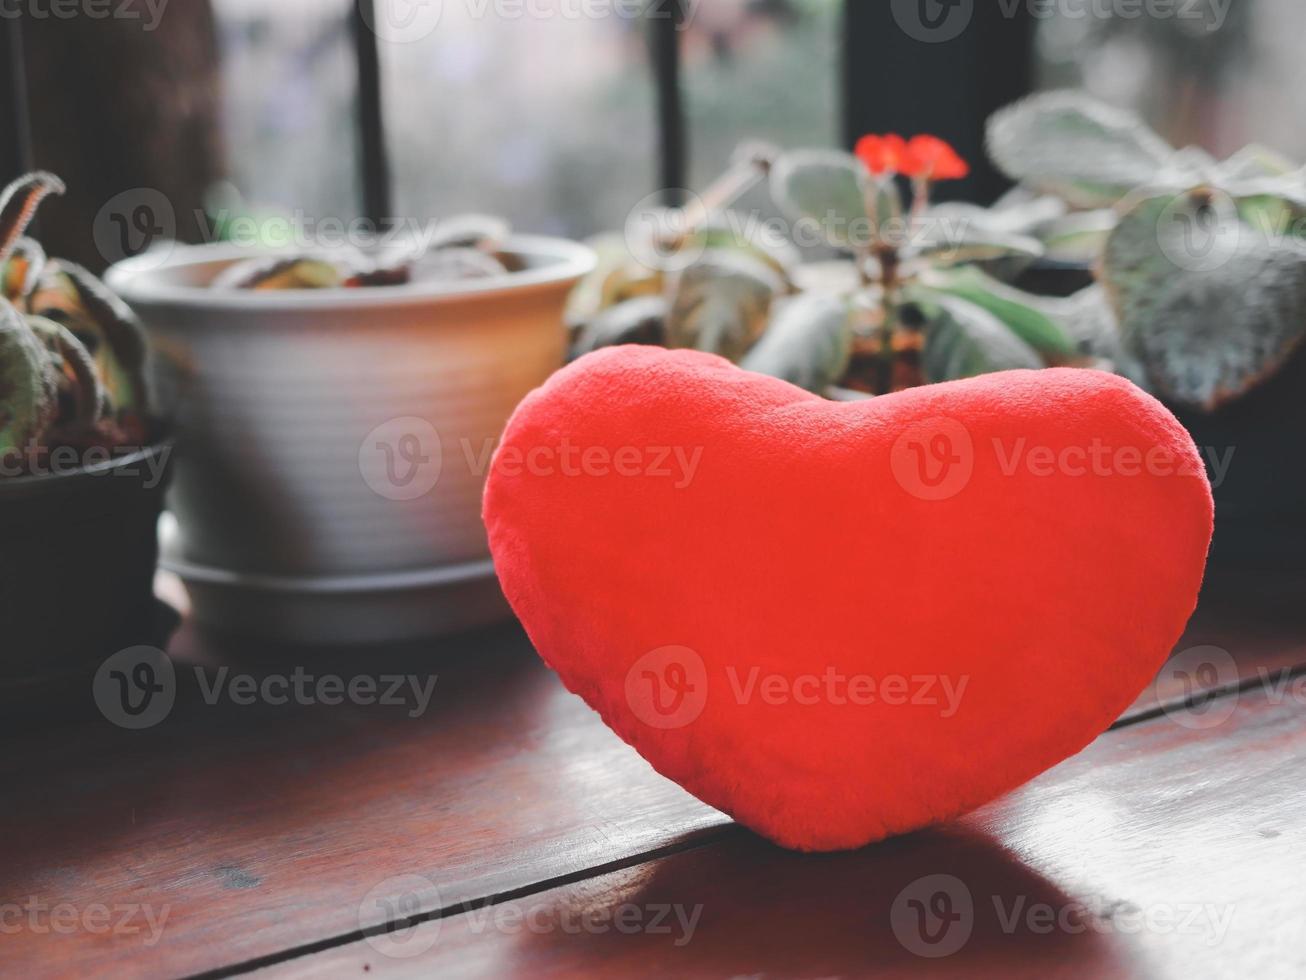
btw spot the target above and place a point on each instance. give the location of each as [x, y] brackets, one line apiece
[505, 831]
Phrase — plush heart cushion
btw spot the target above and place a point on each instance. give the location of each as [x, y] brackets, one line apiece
[841, 621]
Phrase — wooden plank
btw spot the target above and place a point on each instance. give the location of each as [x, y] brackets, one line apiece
[1249, 630]
[262, 829]
[1161, 851]
[258, 829]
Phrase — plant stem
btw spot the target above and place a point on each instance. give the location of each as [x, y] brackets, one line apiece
[741, 177]
[18, 205]
[888, 257]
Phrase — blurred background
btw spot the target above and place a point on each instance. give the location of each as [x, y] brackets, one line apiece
[562, 122]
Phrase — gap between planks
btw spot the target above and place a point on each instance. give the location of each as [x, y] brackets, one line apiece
[694, 841]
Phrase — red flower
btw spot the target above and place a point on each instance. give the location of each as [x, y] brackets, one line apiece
[883, 154]
[933, 159]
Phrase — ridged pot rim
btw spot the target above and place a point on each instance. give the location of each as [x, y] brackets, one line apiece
[14, 485]
[148, 280]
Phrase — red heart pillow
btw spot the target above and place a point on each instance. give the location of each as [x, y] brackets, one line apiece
[841, 621]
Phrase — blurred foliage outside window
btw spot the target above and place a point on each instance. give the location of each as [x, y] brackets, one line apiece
[550, 121]
[1217, 73]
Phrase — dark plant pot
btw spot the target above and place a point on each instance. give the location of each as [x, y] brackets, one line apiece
[1260, 501]
[1260, 496]
[77, 582]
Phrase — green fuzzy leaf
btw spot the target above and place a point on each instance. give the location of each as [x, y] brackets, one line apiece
[18, 204]
[838, 276]
[1253, 162]
[826, 187]
[104, 324]
[1210, 302]
[1017, 310]
[947, 242]
[722, 303]
[808, 344]
[77, 375]
[1077, 238]
[28, 391]
[1068, 144]
[730, 230]
[277, 272]
[962, 341]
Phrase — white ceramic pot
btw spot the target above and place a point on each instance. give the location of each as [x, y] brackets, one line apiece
[332, 438]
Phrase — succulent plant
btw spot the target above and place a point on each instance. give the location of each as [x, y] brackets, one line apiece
[914, 303]
[464, 247]
[72, 355]
[1203, 262]
[698, 276]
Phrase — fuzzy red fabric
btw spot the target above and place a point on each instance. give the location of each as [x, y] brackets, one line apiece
[842, 621]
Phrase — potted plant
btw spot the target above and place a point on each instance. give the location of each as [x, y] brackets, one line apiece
[336, 411]
[1201, 267]
[917, 302]
[1200, 291]
[82, 462]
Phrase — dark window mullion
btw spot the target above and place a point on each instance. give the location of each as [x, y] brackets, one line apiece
[15, 129]
[894, 82]
[373, 158]
[665, 18]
